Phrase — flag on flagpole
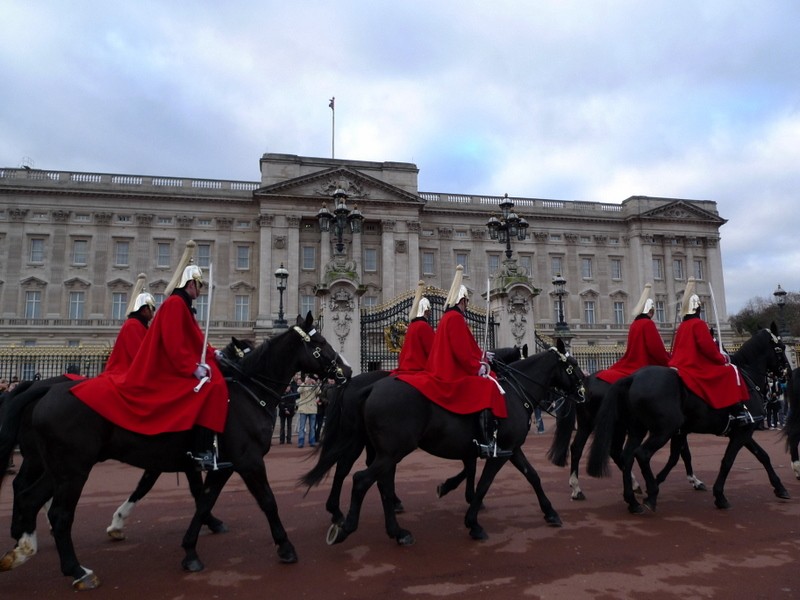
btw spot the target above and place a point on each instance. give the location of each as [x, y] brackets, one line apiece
[331, 103]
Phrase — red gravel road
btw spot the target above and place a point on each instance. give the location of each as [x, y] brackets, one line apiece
[688, 549]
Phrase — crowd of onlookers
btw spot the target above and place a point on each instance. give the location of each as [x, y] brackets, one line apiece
[305, 397]
[777, 408]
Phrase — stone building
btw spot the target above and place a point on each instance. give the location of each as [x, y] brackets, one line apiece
[74, 244]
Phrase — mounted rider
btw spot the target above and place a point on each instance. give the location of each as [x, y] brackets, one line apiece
[419, 335]
[703, 367]
[457, 374]
[160, 392]
[141, 310]
[645, 346]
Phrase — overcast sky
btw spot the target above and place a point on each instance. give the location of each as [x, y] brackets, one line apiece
[594, 100]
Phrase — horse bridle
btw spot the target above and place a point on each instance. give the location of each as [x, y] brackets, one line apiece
[510, 376]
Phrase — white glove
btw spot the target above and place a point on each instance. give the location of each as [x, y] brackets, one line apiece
[483, 371]
[201, 371]
[488, 356]
[219, 355]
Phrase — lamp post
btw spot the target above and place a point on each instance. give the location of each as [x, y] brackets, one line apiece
[341, 218]
[780, 300]
[281, 275]
[561, 329]
[509, 226]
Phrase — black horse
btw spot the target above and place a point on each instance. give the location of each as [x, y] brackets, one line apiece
[654, 403]
[584, 415]
[345, 439]
[73, 438]
[791, 430]
[398, 419]
[31, 469]
[232, 354]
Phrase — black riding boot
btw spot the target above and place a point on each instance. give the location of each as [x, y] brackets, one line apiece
[204, 450]
[487, 440]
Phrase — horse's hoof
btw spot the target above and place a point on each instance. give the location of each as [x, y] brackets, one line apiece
[405, 538]
[782, 493]
[635, 509]
[579, 496]
[398, 507]
[722, 503]
[649, 505]
[336, 535]
[90, 581]
[7, 562]
[478, 533]
[218, 528]
[117, 535]
[553, 520]
[287, 554]
[192, 565]
[440, 491]
[700, 487]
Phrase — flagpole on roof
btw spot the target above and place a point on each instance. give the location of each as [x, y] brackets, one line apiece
[332, 106]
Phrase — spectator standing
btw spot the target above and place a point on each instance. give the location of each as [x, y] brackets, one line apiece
[307, 412]
[286, 410]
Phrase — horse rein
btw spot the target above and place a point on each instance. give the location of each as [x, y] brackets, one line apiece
[511, 376]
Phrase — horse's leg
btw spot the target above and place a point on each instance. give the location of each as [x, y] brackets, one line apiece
[793, 441]
[258, 484]
[686, 455]
[204, 502]
[398, 504]
[29, 498]
[575, 453]
[736, 440]
[616, 453]
[67, 493]
[520, 461]
[390, 501]
[763, 458]
[490, 470]
[195, 480]
[116, 531]
[625, 463]
[451, 483]
[644, 453]
[675, 446]
[380, 469]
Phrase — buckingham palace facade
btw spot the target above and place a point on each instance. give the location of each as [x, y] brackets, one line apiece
[352, 236]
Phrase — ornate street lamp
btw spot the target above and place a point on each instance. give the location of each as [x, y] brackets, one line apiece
[509, 226]
[560, 291]
[341, 218]
[281, 275]
[780, 300]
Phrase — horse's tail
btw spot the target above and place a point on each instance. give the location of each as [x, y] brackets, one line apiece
[604, 425]
[791, 430]
[565, 425]
[343, 430]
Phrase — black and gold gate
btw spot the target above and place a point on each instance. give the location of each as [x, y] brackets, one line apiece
[383, 328]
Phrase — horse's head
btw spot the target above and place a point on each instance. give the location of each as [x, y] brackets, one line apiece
[777, 363]
[237, 348]
[319, 357]
[568, 376]
[511, 354]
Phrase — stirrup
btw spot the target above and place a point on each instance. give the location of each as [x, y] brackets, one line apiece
[491, 450]
[207, 461]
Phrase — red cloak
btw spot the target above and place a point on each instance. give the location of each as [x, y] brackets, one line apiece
[645, 347]
[703, 368]
[129, 340]
[416, 346]
[156, 395]
[450, 377]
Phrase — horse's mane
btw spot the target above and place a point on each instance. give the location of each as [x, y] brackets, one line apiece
[254, 358]
[752, 349]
